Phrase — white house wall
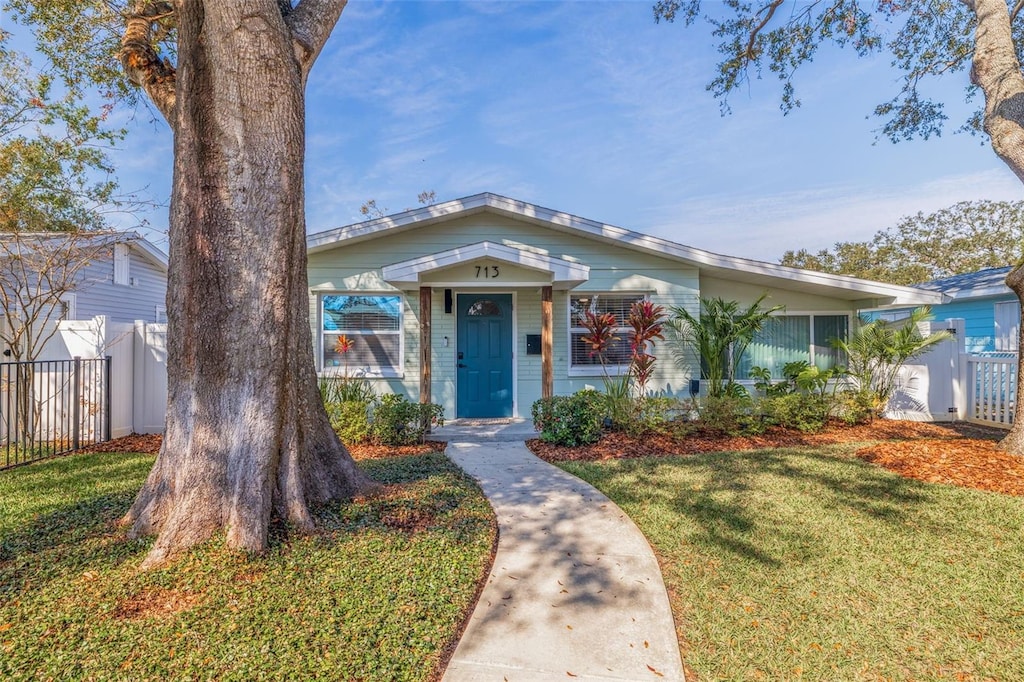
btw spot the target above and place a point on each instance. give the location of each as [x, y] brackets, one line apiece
[137, 300]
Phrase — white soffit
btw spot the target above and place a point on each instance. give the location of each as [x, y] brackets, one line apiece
[564, 274]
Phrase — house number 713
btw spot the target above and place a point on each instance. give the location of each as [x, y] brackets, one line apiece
[486, 271]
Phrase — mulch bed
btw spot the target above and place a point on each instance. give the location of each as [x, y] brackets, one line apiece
[150, 444]
[956, 454]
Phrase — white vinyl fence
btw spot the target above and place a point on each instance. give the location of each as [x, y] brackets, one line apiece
[949, 384]
[138, 367]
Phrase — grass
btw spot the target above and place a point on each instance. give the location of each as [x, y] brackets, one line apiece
[377, 594]
[811, 564]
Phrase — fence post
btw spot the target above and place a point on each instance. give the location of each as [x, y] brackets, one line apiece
[76, 403]
[107, 398]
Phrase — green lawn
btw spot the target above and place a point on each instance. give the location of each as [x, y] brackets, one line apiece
[811, 564]
[377, 594]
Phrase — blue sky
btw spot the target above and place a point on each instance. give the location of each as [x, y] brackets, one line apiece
[593, 109]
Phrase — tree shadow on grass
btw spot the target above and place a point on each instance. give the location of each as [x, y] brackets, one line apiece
[734, 489]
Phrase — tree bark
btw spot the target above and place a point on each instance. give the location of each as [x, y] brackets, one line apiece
[1014, 440]
[246, 433]
[996, 70]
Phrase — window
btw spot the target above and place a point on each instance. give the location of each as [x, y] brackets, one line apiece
[121, 264]
[160, 313]
[373, 325]
[1007, 325]
[790, 338]
[616, 304]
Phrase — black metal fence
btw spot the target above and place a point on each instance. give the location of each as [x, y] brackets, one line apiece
[51, 407]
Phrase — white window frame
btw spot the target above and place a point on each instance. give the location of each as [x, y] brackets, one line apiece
[160, 313]
[69, 304]
[621, 331]
[810, 315]
[122, 261]
[372, 372]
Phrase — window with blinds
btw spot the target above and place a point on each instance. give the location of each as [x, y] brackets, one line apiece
[618, 355]
[791, 338]
[370, 330]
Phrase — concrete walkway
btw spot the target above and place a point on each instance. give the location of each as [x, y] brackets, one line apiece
[575, 591]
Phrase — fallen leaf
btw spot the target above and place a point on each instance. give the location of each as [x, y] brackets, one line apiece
[655, 671]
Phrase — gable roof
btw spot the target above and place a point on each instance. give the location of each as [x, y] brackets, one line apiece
[134, 240]
[980, 284]
[716, 265]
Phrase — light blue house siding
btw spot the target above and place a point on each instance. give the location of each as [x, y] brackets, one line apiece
[991, 312]
[366, 282]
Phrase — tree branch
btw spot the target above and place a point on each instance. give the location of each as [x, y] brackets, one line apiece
[749, 52]
[140, 61]
[311, 23]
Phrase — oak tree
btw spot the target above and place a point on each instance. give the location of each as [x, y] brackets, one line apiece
[927, 39]
[965, 237]
[246, 433]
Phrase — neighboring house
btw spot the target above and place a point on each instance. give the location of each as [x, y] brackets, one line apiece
[990, 310]
[128, 284]
[119, 275]
[474, 303]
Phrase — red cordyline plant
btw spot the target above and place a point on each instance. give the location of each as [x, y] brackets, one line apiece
[600, 332]
[646, 320]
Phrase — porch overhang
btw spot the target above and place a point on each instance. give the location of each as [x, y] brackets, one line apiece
[552, 271]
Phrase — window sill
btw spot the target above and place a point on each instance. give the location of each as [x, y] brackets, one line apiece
[611, 371]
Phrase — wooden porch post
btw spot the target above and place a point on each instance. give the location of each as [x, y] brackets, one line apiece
[425, 306]
[546, 367]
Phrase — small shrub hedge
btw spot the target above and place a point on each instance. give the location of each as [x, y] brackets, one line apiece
[570, 420]
[350, 420]
[397, 421]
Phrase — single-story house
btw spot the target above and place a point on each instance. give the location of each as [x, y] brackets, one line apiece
[475, 303]
[990, 310]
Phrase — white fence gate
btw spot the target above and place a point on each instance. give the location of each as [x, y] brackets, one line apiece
[949, 384]
[138, 369]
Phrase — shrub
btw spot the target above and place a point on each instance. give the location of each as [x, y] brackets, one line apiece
[729, 414]
[806, 412]
[350, 420]
[655, 412]
[855, 407]
[397, 421]
[569, 420]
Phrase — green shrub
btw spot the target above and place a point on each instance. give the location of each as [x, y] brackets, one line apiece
[569, 420]
[350, 420]
[397, 421]
[855, 407]
[726, 413]
[619, 405]
[806, 412]
[654, 413]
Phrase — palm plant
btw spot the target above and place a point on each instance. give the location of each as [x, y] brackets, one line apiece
[719, 336]
[877, 350]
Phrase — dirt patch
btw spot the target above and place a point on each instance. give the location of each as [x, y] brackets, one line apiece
[157, 602]
[956, 454]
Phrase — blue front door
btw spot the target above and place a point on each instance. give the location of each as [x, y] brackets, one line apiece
[484, 355]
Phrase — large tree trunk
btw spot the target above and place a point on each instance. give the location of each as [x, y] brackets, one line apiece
[996, 70]
[246, 433]
[1014, 440]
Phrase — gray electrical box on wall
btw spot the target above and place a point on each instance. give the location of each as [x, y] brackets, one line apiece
[533, 344]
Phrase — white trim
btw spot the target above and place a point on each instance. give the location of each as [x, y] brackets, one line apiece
[512, 348]
[737, 269]
[377, 373]
[596, 370]
[817, 313]
[560, 273]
